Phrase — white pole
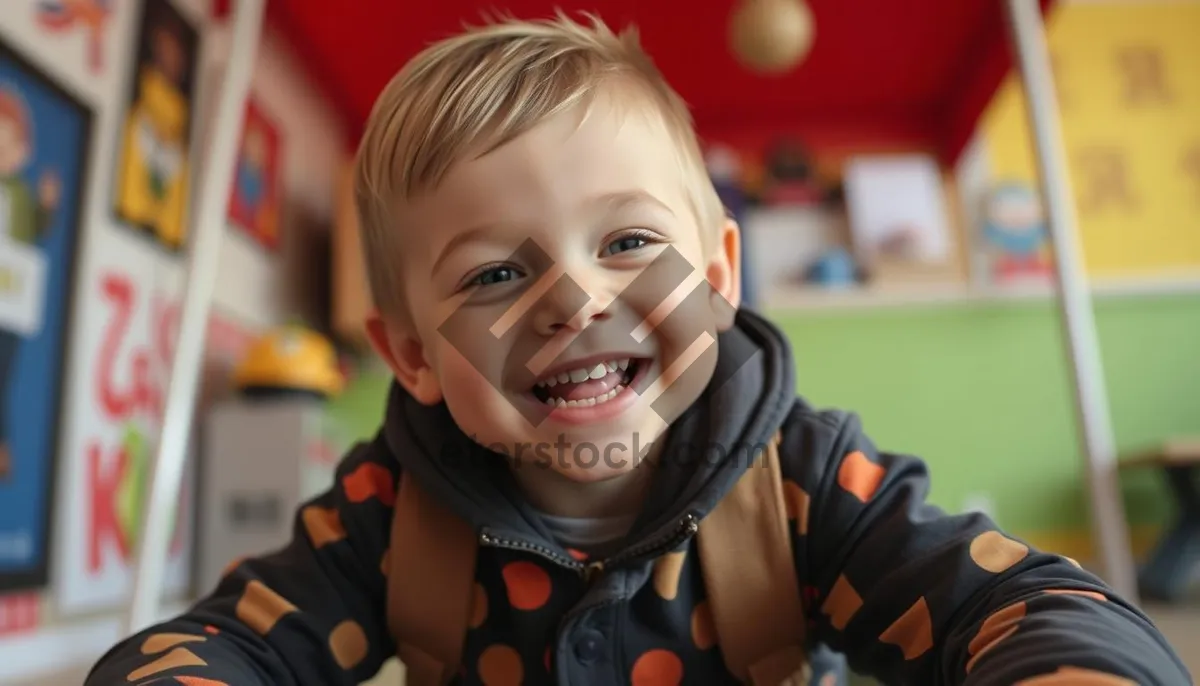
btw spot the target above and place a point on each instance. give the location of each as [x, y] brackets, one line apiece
[1028, 35]
[208, 229]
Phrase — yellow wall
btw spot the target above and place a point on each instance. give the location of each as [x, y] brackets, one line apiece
[1128, 79]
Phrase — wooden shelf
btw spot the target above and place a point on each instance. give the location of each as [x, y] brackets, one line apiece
[788, 299]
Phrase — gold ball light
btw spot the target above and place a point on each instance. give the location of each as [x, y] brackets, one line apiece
[771, 36]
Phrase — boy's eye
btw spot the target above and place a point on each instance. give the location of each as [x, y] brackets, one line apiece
[623, 244]
[493, 276]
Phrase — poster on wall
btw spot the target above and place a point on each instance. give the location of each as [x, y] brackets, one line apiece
[126, 332]
[154, 157]
[126, 329]
[45, 136]
[254, 199]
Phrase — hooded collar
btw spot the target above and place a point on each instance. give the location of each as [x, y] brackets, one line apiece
[705, 451]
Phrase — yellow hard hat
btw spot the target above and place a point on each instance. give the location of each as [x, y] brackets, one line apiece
[290, 358]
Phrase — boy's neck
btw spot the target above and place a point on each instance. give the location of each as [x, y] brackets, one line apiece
[556, 495]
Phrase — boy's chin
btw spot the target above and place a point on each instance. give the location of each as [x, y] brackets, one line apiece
[589, 473]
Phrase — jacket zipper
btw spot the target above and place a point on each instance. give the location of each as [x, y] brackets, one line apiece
[686, 528]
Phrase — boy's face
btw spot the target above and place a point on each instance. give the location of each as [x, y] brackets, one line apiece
[549, 369]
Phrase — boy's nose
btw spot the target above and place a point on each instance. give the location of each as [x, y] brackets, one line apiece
[567, 306]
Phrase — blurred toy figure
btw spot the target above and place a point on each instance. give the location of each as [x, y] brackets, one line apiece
[790, 178]
[24, 217]
[1014, 232]
[152, 190]
[834, 268]
[251, 191]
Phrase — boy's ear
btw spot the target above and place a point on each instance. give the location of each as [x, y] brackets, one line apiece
[403, 353]
[725, 275]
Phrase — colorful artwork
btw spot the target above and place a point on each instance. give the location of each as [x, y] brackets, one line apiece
[153, 171]
[1130, 110]
[44, 141]
[90, 15]
[1015, 235]
[127, 329]
[254, 201]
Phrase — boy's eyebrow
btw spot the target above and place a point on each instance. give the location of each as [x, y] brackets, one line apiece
[619, 200]
[453, 243]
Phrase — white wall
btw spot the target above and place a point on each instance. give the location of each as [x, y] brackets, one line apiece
[79, 612]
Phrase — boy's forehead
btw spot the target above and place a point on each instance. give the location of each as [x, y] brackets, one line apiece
[558, 168]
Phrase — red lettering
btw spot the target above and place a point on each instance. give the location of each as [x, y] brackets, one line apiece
[18, 614]
[142, 394]
[102, 487]
[119, 291]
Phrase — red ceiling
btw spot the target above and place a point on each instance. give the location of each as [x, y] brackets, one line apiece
[880, 72]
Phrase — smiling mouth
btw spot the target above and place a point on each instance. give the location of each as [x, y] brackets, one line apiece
[589, 385]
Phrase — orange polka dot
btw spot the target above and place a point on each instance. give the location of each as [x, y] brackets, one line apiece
[1075, 676]
[348, 643]
[260, 608]
[210, 629]
[912, 632]
[997, 627]
[1086, 594]
[158, 643]
[528, 585]
[199, 681]
[994, 552]
[500, 665]
[657, 668]
[577, 554]
[324, 525]
[860, 476]
[479, 608]
[666, 574]
[842, 604]
[368, 481]
[704, 633]
[180, 657]
[797, 502]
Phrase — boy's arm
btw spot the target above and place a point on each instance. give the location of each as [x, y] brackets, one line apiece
[310, 613]
[913, 595]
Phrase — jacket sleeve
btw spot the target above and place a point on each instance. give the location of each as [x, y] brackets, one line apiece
[311, 612]
[913, 595]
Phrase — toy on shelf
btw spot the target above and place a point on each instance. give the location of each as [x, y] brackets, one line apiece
[290, 360]
[788, 175]
[1014, 236]
[833, 269]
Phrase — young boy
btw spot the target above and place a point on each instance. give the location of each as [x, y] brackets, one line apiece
[557, 288]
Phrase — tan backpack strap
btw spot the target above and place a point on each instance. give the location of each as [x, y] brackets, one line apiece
[745, 551]
[430, 578]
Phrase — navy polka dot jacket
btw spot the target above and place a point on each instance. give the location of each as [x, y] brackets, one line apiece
[908, 593]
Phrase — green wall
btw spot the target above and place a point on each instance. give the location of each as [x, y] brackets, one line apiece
[981, 392]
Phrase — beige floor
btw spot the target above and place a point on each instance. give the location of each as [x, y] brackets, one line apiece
[1181, 625]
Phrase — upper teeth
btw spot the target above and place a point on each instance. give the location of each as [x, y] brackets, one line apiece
[598, 371]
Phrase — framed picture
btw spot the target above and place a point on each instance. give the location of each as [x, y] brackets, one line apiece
[45, 137]
[154, 160]
[255, 197]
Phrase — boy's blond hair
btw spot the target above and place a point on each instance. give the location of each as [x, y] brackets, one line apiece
[472, 93]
